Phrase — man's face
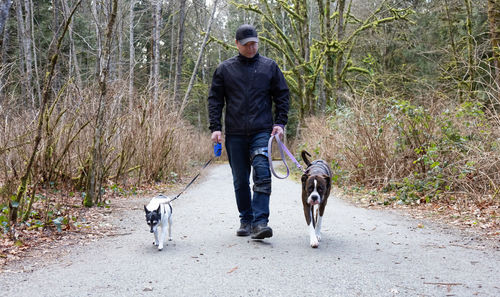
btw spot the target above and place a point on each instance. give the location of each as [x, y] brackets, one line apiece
[249, 49]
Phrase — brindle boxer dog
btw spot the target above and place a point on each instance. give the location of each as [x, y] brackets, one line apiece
[316, 185]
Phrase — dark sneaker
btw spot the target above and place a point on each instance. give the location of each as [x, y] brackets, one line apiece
[244, 230]
[262, 231]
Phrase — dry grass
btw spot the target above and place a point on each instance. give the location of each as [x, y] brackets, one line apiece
[431, 161]
[425, 152]
[142, 142]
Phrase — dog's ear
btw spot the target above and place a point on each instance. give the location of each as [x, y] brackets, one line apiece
[147, 211]
[159, 209]
[328, 180]
[304, 179]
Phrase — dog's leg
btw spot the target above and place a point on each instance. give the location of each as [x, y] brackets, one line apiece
[318, 228]
[321, 211]
[163, 233]
[170, 227]
[313, 240]
[162, 238]
[156, 237]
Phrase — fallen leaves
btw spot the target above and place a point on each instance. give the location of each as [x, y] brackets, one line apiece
[91, 223]
[477, 214]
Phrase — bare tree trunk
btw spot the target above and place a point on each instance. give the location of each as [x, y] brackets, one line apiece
[200, 55]
[96, 166]
[5, 44]
[305, 46]
[284, 29]
[119, 33]
[74, 68]
[56, 25]
[28, 53]
[4, 16]
[132, 56]
[173, 42]
[450, 33]
[35, 63]
[4, 13]
[155, 73]
[98, 30]
[494, 21]
[330, 61]
[340, 58]
[26, 60]
[180, 51]
[470, 46]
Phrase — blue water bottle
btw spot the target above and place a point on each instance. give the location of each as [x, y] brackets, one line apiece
[217, 149]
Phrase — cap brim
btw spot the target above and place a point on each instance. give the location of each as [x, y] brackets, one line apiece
[247, 40]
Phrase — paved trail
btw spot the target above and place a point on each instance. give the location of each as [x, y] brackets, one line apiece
[363, 253]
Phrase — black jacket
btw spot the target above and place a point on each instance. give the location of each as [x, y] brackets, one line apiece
[248, 87]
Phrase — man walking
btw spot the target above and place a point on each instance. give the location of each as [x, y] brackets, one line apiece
[248, 85]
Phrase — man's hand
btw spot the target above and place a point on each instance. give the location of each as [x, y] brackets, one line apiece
[217, 137]
[277, 130]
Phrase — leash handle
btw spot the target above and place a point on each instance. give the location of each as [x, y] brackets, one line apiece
[217, 149]
[283, 149]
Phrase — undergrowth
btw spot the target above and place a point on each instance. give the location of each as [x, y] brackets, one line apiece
[143, 142]
[419, 153]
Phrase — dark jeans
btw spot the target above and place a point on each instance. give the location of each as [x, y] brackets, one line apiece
[239, 150]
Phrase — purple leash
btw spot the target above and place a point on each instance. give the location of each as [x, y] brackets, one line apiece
[281, 148]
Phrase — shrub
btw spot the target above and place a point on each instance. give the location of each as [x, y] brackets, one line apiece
[419, 152]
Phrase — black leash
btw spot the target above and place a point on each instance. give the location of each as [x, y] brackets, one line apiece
[217, 153]
[192, 181]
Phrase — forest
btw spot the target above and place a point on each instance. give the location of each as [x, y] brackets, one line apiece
[101, 97]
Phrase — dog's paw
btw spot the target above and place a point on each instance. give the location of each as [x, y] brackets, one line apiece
[318, 236]
[160, 248]
[170, 239]
[314, 243]
[155, 243]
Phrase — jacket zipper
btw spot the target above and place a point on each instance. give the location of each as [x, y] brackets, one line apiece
[249, 71]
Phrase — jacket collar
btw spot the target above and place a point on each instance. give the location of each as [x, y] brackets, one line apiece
[244, 59]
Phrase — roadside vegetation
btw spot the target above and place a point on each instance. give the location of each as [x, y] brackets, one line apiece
[398, 154]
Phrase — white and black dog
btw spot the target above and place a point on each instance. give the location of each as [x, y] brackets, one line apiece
[316, 186]
[159, 213]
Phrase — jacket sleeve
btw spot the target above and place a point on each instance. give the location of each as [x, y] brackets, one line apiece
[281, 97]
[216, 100]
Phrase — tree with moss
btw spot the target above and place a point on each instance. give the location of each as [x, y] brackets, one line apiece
[316, 41]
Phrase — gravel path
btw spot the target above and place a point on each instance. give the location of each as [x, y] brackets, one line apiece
[363, 253]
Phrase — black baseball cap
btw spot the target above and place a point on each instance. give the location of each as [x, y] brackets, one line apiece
[246, 33]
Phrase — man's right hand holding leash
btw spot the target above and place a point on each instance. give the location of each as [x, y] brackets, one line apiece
[277, 130]
[217, 137]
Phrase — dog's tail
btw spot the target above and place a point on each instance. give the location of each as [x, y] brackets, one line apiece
[304, 155]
